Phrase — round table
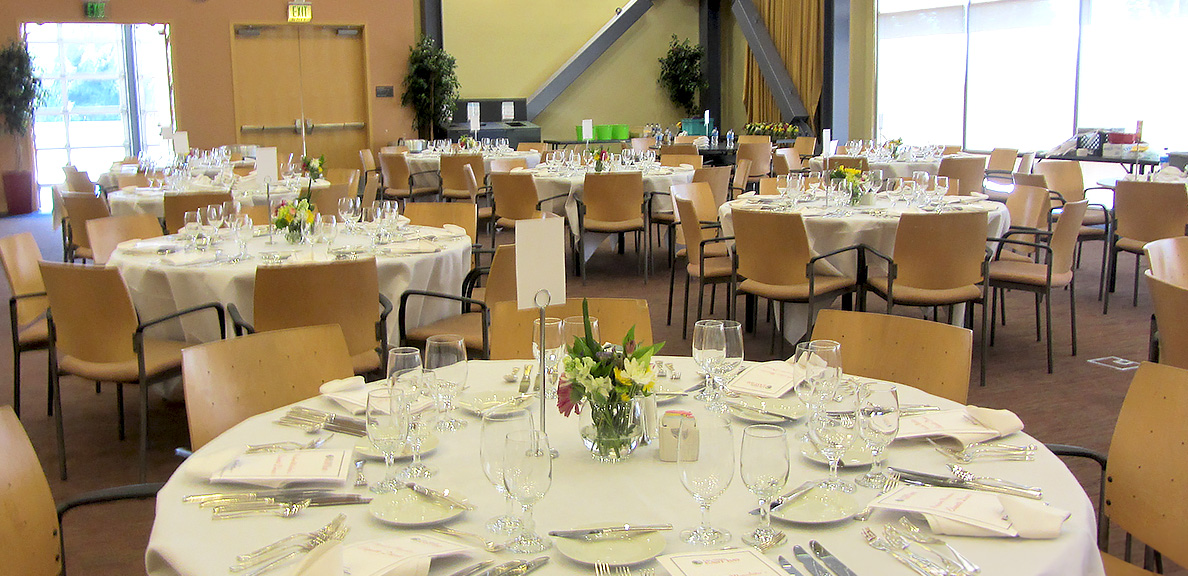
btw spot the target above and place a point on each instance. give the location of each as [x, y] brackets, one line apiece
[185, 540]
[164, 284]
[893, 169]
[134, 200]
[431, 162]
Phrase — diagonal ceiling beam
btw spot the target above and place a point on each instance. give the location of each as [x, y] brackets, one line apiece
[786, 95]
[623, 19]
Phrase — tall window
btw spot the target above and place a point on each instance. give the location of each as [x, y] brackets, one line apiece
[107, 95]
[1028, 73]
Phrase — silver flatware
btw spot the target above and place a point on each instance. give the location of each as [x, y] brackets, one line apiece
[810, 564]
[502, 569]
[290, 541]
[996, 484]
[527, 566]
[360, 479]
[879, 544]
[526, 379]
[831, 561]
[284, 510]
[625, 529]
[894, 538]
[513, 376]
[440, 496]
[268, 493]
[758, 410]
[970, 482]
[788, 567]
[672, 372]
[792, 495]
[913, 532]
[470, 570]
[301, 549]
[488, 545]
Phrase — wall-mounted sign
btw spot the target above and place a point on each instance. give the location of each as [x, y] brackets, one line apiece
[300, 11]
[95, 10]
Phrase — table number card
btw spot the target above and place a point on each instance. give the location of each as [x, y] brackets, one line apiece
[266, 165]
[181, 143]
[540, 260]
[739, 562]
[588, 129]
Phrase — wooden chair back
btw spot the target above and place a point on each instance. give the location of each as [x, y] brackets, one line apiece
[613, 196]
[28, 520]
[785, 160]
[767, 187]
[81, 207]
[538, 147]
[132, 179]
[702, 196]
[452, 177]
[511, 327]
[505, 165]
[1002, 159]
[107, 233]
[367, 160]
[92, 311]
[78, 181]
[1171, 308]
[742, 172]
[940, 251]
[969, 170]
[1064, 236]
[1168, 259]
[176, 206]
[948, 149]
[1026, 160]
[229, 381]
[1063, 176]
[501, 279]
[438, 214]
[853, 162]
[1028, 207]
[344, 184]
[259, 214]
[759, 153]
[515, 195]
[690, 226]
[754, 138]
[772, 247]
[805, 146]
[932, 356]
[1148, 211]
[1022, 179]
[686, 148]
[19, 255]
[718, 177]
[674, 160]
[394, 168]
[686, 139]
[642, 144]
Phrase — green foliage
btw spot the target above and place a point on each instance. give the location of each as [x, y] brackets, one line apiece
[19, 88]
[431, 86]
[680, 74]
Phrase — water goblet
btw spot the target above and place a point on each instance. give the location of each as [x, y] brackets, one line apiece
[387, 429]
[706, 472]
[878, 423]
[404, 367]
[833, 430]
[492, 453]
[709, 349]
[574, 327]
[193, 226]
[421, 423]
[764, 465]
[243, 228]
[445, 359]
[348, 209]
[527, 476]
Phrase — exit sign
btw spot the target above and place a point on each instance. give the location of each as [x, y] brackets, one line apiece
[95, 10]
[300, 11]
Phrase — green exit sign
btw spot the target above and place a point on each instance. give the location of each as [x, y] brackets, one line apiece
[95, 10]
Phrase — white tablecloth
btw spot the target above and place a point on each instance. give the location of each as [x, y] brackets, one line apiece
[895, 169]
[431, 161]
[131, 201]
[159, 288]
[186, 541]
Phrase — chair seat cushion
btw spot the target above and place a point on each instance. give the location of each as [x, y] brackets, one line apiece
[715, 267]
[511, 223]
[34, 334]
[469, 326]
[1030, 273]
[663, 218]
[822, 284]
[366, 362]
[1115, 566]
[924, 296]
[622, 226]
[416, 191]
[160, 356]
[1094, 217]
[1012, 256]
[1131, 245]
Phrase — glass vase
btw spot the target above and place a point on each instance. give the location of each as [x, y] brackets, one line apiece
[294, 235]
[612, 431]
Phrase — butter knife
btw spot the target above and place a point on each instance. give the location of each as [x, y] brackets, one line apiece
[925, 479]
[503, 569]
[470, 570]
[525, 379]
[630, 529]
[830, 560]
[813, 567]
[788, 567]
[526, 566]
[793, 495]
[438, 495]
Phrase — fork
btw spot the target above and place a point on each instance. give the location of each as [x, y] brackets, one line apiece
[287, 446]
[283, 543]
[301, 549]
[879, 544]
[286, 510]
[602, 569]
[890, 480]
[672, 372]
[624, 571]
[893, 538]
[913, 532]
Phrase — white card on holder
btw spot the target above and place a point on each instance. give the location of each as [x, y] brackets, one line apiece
[540, 260]
[281, 468]
[767, 379]
[508, 111]
[588, 129]
[737, 562]
[181, 143]
[266, 166]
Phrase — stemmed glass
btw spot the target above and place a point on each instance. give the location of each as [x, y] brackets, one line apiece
[445, 360]
[939, 191]
[764, 469]
[553, 346]
[709, 348]
[706, 471]
[878, 423]
[420, 428]
[574, 327]
[387, 429]
[193, 227]
[873, 181]
[821, 361]
[492, 452]
[348, 210]
[242, 227]
[527, 475]
[833, 430]
[214, 220]
[404, 367]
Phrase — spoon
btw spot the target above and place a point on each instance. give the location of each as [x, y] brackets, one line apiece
[513, 376]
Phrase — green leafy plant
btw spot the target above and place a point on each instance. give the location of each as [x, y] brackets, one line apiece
[680, 74]
[431, 86]
[19, 91]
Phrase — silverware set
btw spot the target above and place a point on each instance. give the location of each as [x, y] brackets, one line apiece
[963, 478]
[312, 421]
[665, 370]
[819, 563]
[289, 548]
[284, 503]
[986, 452]
[926, 555]
[605, 569]
[488, 545]
[286, 446]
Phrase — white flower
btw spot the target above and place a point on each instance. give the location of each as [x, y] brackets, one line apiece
[636, 370]
[600, 387]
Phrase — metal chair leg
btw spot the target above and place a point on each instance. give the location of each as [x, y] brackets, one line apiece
[143, 430]
[1072, 309]
[120, 409]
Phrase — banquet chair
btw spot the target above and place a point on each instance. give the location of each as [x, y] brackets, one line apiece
[738, 181]
[371, 171]
[718, 177]
[613, 203]
[707, 259]
[343, 292]
[96, 334]
[77, 181]
[642, 144]
[398, 179]
[768, 187]
[396, 149]
[242, 171]
[805, 146]
[1168, 259]
[853, 162]
[484, 204]
[686, 139]
[1022, 179]
[31, 524]
[1028, 207]
[785, 160]
[538, 147]
[774, 258]
[1169, 342]
[1000, 166]
[940, 260]
[676, 160]
[511, 328]
[81, 207]
[969, 170]
[948, 149]
[473, 320]
[515, 198]
[505, 165]
[759, 153]
[1054, 269]
[1141, 488]
[229, 381]
[176, 206]
[259, 214]
[438, 214]
[19, 256]
[687, 148]
[1143, 212]
[753, 138]
[1065, 179]
[453, 179]
[132, 179]
[344, 183]
[931, 356]
[106, 233]
[1026, 160]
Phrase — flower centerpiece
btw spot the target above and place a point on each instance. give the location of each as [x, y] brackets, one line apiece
[294, 218]
[851, 179]
[777, 130]
[315, 168]
[601, 156]
[466, 143]
[604, 385]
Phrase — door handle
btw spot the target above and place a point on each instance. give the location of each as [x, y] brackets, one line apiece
[295, 127]
[310, 126]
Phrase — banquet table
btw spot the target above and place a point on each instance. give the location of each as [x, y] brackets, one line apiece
[161, 284]
[131, 201]
[431, 162]
[893, 169]
[186, 540]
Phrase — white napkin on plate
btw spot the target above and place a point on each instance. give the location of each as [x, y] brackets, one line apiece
[454, 230]
[325, 560]
[967, 424]
[351, 393]
[961, 512]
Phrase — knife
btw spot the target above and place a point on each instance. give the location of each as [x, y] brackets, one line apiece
[830, 560]
[810, 564]
[315, 499]
[525, 380]
[788, 567]
[503, 569]
[758, 410]
[470, 570]
[625, 529]
[793, 495]
[272, 493]
[526, 566]
[925, 479]
[438, 495]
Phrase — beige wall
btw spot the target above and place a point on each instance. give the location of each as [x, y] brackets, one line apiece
[500, 57]
[863, 68]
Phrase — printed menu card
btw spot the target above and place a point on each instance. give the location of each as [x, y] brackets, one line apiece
[281, 468]
[737, 562]
[767, 379]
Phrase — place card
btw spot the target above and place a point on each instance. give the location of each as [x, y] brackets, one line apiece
[967, 424]
[266, 166]
[181, 143]
[282, 468]
[767, 379]
[397, 555]
[540, 260]
[738, 562]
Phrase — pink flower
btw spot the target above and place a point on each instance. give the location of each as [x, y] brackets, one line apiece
[564, 402]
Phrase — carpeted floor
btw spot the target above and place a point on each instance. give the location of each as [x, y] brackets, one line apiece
[1077, 404]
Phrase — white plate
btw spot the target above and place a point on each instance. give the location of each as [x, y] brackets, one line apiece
[819, 506]
[407, 508]
[364, 449]
[476, 402]
[790, 407]
[613, 551]
[666, 393]
[276, 256]
[857, 455]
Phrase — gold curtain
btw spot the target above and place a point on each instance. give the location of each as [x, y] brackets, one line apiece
[796, 27]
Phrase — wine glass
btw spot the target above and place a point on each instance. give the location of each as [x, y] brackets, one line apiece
[709, 348]
[553, 346]
[348, 209]
[922, 179]
[242, 228]
[527, 475]
[873, 181]
[821, 362]
[421, 422]
[833, 430]
[764, 469]
[492, 451]
[878, 423]
[193, 226]
[404, 367]
[387, 429]
[574, 327]
[706, 471]
[214, 220]
[940, 189]
[445, 359]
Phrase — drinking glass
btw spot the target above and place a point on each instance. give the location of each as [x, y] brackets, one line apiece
[709, 349]
[445, 360]
[782, 185]
[420, 427]
[193, 226]
[821, 362]
[214, 220]
[387, 429]
[348, 209]
[553, 346]
[941, 189]
[244, 231]
[878, 423]
[574, 327]
[492, 452]
[922, 179]
[706, 472]
[404, 367]
[833, 430]
[764, 469]
[527, 475]
[231, 208]
[873, 181]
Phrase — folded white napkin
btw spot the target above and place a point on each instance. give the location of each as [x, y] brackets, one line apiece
[1168, 174]
[961, 512]
[325, 560]
[454, 229]
[151, 245]
[188, 258]
[351, 394]
[411, 247]
[967, 425]
[201, 180]
[398, 556]
[701, 142]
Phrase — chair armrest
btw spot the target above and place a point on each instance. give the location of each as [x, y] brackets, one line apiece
[470, 282]
[381, 325]
[708, 241]
[1078, 452]
[1103, 524]
[1023, 230]
[240, 325]
[1038, 246]
[209, 305]
[129, 492]
[23, 296]
[466, 302]
[541, 202]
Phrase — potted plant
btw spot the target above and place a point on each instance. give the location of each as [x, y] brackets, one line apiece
[680, 76]
[431, 87]
[19, 89]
